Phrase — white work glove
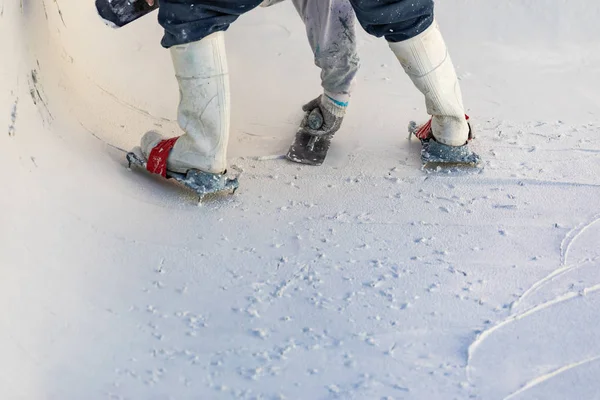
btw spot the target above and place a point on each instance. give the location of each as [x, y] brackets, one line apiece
[323, 117]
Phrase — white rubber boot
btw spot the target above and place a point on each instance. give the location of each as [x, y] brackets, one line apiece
[426, 60]
[204, 107]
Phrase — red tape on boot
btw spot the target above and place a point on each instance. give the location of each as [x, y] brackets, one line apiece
[157, 160]
[425, 132]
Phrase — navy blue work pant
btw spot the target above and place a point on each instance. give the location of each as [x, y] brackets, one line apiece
[188, 21]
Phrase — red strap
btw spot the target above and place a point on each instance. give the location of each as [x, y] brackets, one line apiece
[425, 132]
[157, 160]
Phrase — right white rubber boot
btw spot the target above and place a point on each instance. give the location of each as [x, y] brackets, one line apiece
[204, 107]
[426, 60]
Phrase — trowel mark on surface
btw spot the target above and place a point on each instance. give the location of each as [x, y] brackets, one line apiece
[565, 246]
[543, 378]
[131, 106]
[100, 139]
[45, 10]
[36, 95]
[60, 13]
[13, 119]
[481, 337]
[572, 237]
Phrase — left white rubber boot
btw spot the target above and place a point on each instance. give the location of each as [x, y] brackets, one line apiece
[426, 60]
[204, 108]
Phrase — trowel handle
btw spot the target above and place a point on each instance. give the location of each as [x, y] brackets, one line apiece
[122, 12]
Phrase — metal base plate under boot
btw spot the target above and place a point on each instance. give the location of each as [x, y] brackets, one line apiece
[202, 183]
[434, 153]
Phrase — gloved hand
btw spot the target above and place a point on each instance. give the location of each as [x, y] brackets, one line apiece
[323, 117]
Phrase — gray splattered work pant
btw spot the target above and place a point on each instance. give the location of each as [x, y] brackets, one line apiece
[329, 26]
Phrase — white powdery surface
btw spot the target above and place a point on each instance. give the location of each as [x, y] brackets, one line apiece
[366, 278]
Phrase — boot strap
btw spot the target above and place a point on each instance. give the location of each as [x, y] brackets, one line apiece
[425, 132]
[157, 159]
